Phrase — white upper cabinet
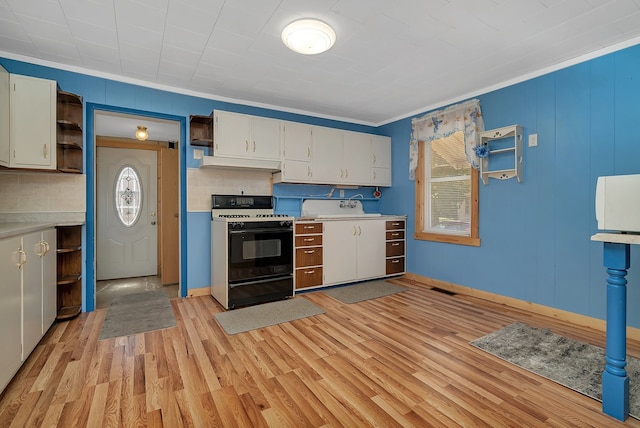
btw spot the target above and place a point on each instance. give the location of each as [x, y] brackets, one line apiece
[296, 158]
[327, 155]
[356, 159]
[243, 136]
[31, 109]
[380, 160]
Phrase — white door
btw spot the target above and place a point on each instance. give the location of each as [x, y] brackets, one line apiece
[127, 238]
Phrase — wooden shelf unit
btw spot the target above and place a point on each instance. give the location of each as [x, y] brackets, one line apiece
[69, 136]
[69, 265]
[507, 146]
[201, 130]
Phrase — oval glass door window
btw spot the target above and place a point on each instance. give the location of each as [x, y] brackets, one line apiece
[128, 195]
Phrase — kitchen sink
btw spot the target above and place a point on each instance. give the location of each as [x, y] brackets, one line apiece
[348, 215]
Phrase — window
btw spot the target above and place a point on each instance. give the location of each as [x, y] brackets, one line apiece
[128, 196]
[446, 192]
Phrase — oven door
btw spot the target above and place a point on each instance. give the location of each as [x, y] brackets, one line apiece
[258, 253]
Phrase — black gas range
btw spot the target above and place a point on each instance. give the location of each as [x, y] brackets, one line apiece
[251, 251]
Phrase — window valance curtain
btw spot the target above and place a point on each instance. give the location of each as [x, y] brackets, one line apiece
[466, 117]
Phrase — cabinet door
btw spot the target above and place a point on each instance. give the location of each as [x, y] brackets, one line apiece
[231, 134]
[339, 252]
[31, 293]
[356, 158]
[10, 310]
[327, 155]
[265, 138]
[32, 122]
[49, 273]
[297, 141]
[371, 250]
[380, 151]
[4, 117]
[296, 171]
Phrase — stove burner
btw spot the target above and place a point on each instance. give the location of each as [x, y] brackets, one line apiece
[234, 215]
[271, 215]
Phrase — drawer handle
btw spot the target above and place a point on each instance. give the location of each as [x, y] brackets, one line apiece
[395, 261]
[308, 227]
[395, 234]
[309, 272]
[308, 240]
[309, 251]
[395, 224]
[395, 244]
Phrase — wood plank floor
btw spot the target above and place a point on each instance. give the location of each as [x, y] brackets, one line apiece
[399, 361]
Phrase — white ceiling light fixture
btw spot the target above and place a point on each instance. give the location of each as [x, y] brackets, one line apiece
[141, 133]
[308, 36]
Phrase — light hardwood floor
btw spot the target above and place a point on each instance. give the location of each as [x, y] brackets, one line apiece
[402, 360]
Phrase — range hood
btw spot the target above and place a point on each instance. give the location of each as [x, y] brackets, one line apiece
[237, 163]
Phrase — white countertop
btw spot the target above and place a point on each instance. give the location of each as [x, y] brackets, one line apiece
[8, 230]
[365, 216]
[620, 238]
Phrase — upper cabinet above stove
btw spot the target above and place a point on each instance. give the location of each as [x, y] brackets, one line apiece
[295, 152]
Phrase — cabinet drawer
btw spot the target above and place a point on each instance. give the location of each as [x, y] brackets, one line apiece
[308, 240]
[395, 224]
[396, 234]
[308, 256]
[303, 228]
[395, 248]
[308, 277]
[395, 265]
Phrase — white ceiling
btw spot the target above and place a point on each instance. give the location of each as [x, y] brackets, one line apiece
[392, 58]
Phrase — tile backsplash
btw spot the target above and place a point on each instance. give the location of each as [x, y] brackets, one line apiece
[204, 182]
[33, 192]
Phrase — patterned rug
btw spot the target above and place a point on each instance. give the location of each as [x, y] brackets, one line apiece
[574, 364]
[138, 313]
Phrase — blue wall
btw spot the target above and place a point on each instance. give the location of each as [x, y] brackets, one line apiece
[195, 228]
[535, 235]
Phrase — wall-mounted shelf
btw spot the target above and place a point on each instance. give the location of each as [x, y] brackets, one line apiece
[69, 132]
[505, 151]
[201, 130]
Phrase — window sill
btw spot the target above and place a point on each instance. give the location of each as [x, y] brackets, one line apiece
[449, 239]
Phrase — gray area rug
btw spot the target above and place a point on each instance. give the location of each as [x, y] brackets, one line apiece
[571, 363]
[138, 313]
[363, 291]
[266, 314]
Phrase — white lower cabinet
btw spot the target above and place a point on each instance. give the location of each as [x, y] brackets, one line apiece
[10, 309]
[27, 296]
[353, 250]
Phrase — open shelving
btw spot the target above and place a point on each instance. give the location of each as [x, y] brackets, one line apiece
[201, 130]
[69, 265]
[69, 135]
[505, 149]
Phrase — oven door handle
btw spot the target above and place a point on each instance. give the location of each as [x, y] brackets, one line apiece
[261, 230]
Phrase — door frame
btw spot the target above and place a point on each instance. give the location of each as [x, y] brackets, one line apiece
[89, 239]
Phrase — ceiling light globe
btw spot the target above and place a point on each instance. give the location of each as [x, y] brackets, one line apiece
[141, 133]
[308, 36]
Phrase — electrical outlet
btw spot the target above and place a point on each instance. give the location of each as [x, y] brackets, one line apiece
[533, 140]
[198, 153]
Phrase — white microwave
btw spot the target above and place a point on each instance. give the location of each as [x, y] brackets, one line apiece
[618, 203]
